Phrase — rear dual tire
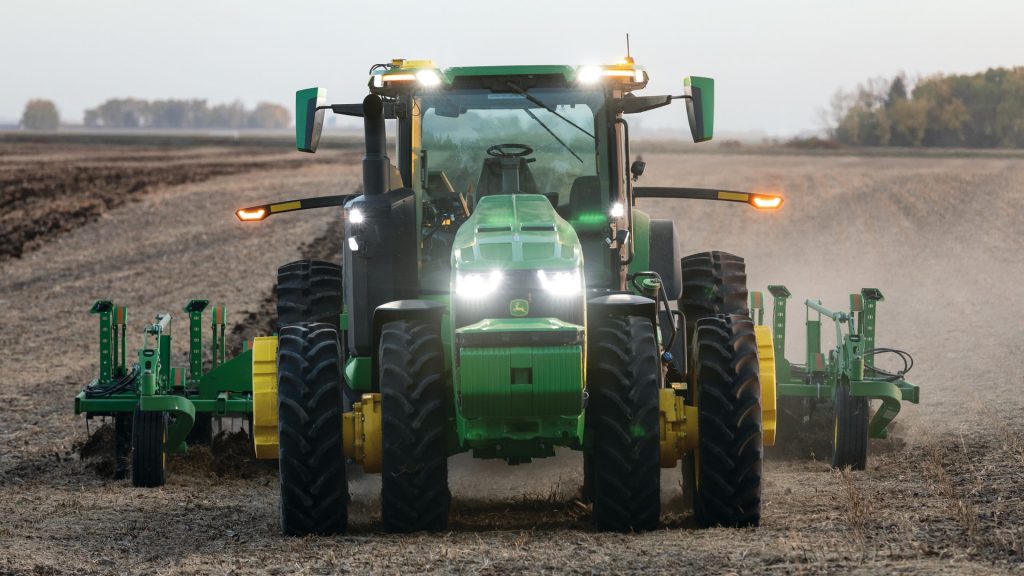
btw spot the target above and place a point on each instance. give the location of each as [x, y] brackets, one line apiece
[713, 283]
[730, 451]
[722, 477]
[309, 291]
[313, 291]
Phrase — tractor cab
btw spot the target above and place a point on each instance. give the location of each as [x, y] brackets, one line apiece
[467, 133]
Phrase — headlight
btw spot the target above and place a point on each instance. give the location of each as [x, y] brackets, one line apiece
[428, 78]
[475, 285]
[355, 216]
[589, 74]
[561, 282]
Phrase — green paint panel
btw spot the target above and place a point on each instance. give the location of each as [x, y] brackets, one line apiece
[549, 382]
[641, 242]
[235, 375]
[358, 373]
[308, 120]
[701, 106]
[183, 415]
[496, 251]
[108, 405]
[104, 309]
[520, 231]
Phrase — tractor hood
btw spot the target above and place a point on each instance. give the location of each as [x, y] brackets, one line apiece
[515, 232]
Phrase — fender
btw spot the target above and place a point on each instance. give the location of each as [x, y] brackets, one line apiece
[621, 305]
[429, 310]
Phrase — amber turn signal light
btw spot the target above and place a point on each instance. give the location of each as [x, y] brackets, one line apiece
[251, 214]
[765, 202]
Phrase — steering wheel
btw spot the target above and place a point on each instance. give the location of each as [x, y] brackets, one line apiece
[509, 150]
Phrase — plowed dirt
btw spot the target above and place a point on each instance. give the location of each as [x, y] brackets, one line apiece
[153, 227]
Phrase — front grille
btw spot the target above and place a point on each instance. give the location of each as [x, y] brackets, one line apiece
[518, 284]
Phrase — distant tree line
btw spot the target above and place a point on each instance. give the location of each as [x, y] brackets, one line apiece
[135, 113]
[40, 115]
[984, 110]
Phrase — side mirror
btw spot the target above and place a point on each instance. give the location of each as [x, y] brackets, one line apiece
[700, 106]
[309, 121]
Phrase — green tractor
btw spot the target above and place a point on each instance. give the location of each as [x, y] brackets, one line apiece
[501, 294]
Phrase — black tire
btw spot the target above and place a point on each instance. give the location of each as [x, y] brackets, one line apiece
[311, 460]
[149, 457]
[713, 283]
[730, 451]
[588, 478]
[414, 467]
[202, 430]
[309, 291]
[312, 291]
[122, 444]
[622, 423]
[850, 438]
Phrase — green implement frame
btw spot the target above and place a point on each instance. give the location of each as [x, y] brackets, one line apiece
[154, 385]
[850, 363]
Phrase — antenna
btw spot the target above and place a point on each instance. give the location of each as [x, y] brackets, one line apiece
[628, 55]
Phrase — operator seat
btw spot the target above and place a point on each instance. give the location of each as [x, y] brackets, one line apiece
[490, 179]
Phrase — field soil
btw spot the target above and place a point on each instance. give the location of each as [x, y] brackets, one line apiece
[152, 226]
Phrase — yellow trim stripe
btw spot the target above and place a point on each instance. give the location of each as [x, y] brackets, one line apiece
[735, 196]
[285, 206]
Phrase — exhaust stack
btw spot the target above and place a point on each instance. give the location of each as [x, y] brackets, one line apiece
[376, 165]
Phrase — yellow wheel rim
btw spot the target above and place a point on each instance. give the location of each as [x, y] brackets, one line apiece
[264, 396]
[769, 400]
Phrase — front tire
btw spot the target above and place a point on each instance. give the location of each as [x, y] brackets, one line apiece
[623, 474]
[314, 487]
[730, 449]
[414, 467]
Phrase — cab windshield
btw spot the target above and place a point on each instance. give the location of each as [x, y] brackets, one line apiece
[553, 128]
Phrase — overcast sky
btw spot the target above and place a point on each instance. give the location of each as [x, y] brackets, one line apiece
[776, 63]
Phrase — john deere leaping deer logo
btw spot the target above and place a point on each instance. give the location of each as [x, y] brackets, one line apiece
[519, 307]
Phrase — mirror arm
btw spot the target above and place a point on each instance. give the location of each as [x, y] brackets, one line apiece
[630, 104]
[344, 109]
[390, 109]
